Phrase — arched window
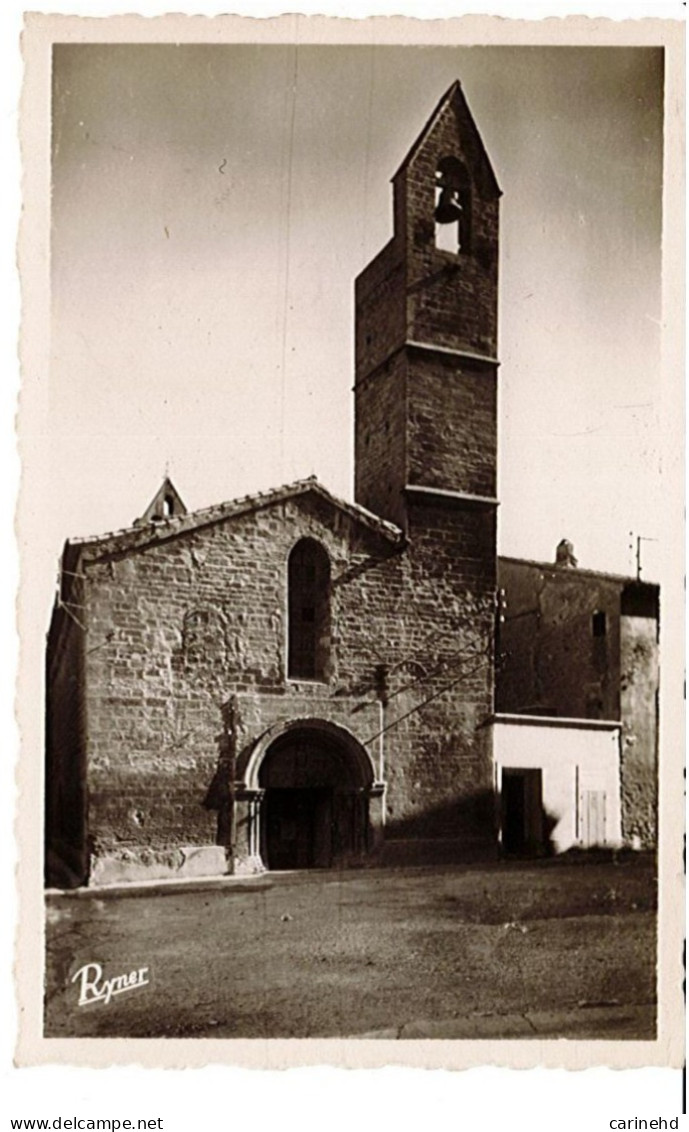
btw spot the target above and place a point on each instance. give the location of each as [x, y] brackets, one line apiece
[308, 633]
[452, 206]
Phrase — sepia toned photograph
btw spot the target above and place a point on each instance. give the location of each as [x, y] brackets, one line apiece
[351, 572]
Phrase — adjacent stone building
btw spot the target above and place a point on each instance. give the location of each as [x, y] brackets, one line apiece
[578, 644]
[290, 680]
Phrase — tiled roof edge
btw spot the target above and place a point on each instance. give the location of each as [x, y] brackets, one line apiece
[136, 536]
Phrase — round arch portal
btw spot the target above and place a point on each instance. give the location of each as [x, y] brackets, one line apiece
[317, 801]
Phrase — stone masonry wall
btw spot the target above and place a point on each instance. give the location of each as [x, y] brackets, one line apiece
[380, 309]
[452, 437]
[158, 726]
[452, 569]
[65, 833]
[638, 693]
[381, 440]
[550, 660]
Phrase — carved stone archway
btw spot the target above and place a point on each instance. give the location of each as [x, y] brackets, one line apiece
[307, 798]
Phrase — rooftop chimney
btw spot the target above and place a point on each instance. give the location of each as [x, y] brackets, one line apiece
[564, 554]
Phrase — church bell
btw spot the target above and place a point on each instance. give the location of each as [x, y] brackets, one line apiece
[448, 209]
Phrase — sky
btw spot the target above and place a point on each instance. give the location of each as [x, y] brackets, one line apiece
[211, 207]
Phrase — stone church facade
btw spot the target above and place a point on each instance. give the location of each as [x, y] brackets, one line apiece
[290, 680]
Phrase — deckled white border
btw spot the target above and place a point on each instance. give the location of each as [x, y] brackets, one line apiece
[41, 31]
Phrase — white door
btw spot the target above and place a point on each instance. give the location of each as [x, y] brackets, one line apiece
[593, 813]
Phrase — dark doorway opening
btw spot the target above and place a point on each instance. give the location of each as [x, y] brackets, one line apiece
[299, 829]
[315, 807]
[523, 824]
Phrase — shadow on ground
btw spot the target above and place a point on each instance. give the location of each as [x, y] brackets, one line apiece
[465, 952]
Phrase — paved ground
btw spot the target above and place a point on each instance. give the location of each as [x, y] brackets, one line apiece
[551, 949]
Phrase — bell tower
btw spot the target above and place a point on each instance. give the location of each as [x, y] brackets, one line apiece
[426, 337]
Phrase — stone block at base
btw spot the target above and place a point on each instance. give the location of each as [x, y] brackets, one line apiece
[129, 867]
[248, 866]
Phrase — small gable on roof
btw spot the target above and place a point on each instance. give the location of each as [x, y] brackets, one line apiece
[454, 105]
[167, 503]
[155, 528]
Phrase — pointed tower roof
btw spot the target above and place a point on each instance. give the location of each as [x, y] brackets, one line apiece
[167, 503]
[454, 98]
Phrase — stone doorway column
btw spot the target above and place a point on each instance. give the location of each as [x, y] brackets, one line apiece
[247, 830]
[376, 815]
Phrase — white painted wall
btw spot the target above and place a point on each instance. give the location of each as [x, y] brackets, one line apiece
[575, 757]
